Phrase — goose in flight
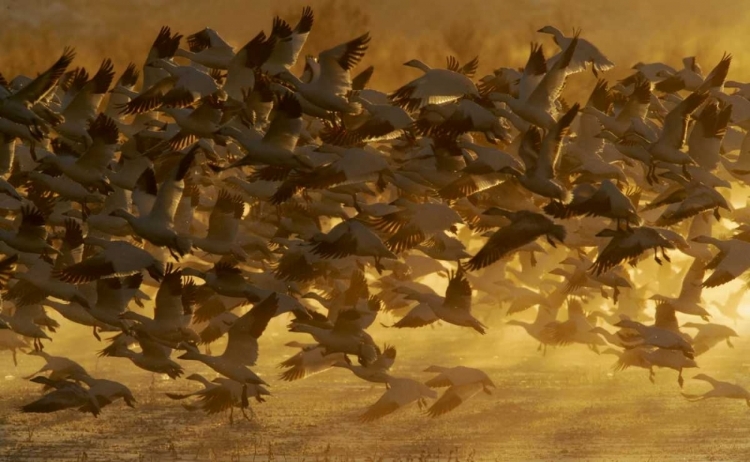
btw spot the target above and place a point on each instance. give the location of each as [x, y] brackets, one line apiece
[454, 308]
[221, 394]
[728, 264]
[310, 360]
[525, 227]
[719, 390]
[585, 53]
[540, 155]
[629, 244]
[659, 337]
[328, 87]
[709, 335]
[242, 345]
[375, 371]
[289, 42]
[435, 86]
[463, 383]
[207, 48]
[66, 395]
[540, 107]
[400, 393]
[17, 106]
[689, 299]
[156, 225]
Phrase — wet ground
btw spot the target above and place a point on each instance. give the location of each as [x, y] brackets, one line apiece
[568, 405]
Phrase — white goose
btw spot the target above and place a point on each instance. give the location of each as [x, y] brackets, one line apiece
[540, 106]
[463, 384]
[156, 225]
[436, 86]
[719, 390]
[310, 360]
[328, 88]
[289, 42]
[401, 392]
[729, 263]
[454, 308]
[586, 53]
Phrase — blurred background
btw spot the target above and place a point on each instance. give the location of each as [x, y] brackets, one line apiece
[499, 31]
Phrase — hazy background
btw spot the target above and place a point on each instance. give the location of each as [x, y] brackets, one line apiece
[499, 31]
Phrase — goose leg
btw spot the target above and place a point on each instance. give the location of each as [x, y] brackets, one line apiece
[680, 380]
[231, 415]
[729, 343]
[96, 335]
[15, 360]
[656, 256]
[664, 254]
[651, 374]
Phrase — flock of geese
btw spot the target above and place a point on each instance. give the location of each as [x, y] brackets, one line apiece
[222, 189]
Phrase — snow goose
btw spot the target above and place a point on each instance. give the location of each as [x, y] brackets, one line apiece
[627, 244]
[289, 42]
[184, 86]
[585, 53]
[328, 88]
[381, 122]
[576, 329]
[605, 201]
[164, 47]
[455, 118]
[207, 48]
[106, 391]
[277, 146]
[351, 237]
[524, 227]
[659, 337]
[153, 357]
[353, 166]
[719, 390]
[112, 298]
[59, 367]
[672, 138]
[436, 86]
[704, 142]
[540, 106]
[119, 96]
[22, 322]
[635, 107]
[415, 223]
[66, 395]
[31, 235]
[156, 225]
[541, 155]
[401, 392]
[223, 226]
[84, 107]
[463, 384]
[709, 335]
[689, 300]
[221, 394]
[375, 371]
[118, 258]
[729, 263]
[345, 336]
[17, 106]
[242, 346]
[454, 308]
[243, 66]
[310, 360]
[687, 199]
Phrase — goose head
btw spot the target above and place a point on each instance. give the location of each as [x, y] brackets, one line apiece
[552, 30]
